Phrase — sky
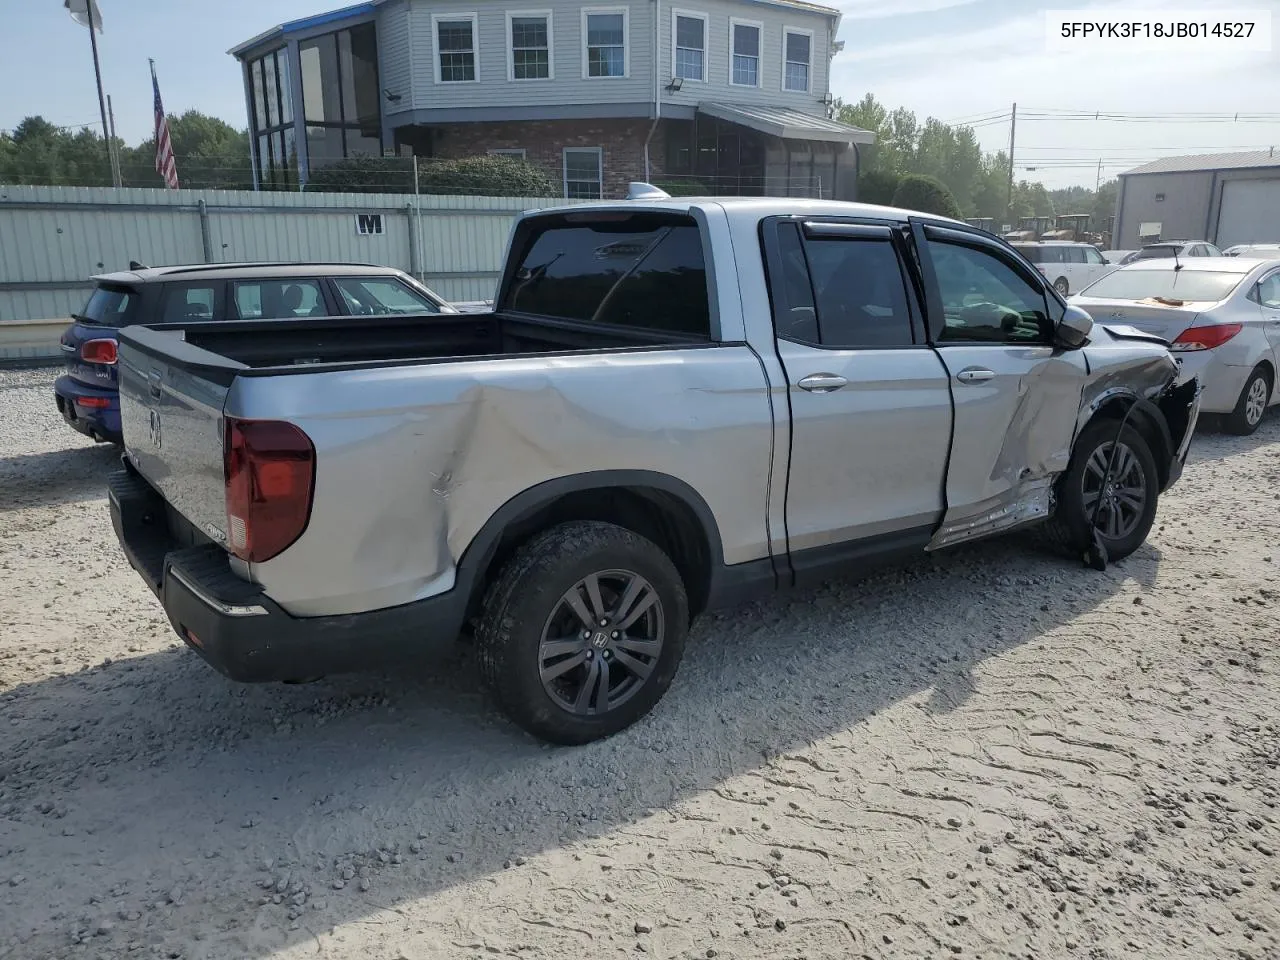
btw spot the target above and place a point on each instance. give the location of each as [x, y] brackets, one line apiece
[949, 59]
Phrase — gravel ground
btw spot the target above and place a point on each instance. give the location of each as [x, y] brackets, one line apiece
[995, 755]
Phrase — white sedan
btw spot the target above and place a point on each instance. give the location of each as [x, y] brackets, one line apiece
[1221, 316]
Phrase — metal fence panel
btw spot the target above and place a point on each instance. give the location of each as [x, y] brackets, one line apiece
[52, 239]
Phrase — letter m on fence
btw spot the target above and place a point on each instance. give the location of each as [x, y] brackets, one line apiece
[368, 224]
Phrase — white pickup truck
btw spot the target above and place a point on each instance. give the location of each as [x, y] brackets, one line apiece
[675, 404]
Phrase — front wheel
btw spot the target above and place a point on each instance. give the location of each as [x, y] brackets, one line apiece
[1121, 506]
[1252, 404]
[582, 631]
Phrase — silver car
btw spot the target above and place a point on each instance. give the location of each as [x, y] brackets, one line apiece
[1221, 316]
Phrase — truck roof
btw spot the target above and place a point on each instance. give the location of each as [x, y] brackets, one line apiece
[755, 207]
[244, 270]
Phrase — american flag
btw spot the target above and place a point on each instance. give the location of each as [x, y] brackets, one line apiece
[166, 165]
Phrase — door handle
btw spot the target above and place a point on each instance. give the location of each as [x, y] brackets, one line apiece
[975, 375]
[822, 383]
[153, 383]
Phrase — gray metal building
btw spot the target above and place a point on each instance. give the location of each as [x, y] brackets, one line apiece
[1225, 198]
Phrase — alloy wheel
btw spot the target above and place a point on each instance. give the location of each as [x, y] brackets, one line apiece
[1123, 496]
[1255, 403]
[601, 642]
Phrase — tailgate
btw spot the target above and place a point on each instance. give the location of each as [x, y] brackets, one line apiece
[171, 400]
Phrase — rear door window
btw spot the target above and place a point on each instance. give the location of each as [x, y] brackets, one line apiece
[640, 270]
[110, 306]
[369, 296]
[189, 301]
[278, 299]
[859, 293]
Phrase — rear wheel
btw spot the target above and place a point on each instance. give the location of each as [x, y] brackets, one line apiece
[583, 631]
[1254, 397]
[1121, 506]
[1062, 286]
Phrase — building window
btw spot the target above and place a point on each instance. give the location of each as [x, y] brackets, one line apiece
[272, 117]
[583, 173]
[529, 43]
[341, 97]
[605, 50]
[689, 40]
[797, 50]
[455, 47]
[516, 153]
[744, 63]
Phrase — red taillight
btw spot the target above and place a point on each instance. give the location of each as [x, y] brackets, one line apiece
[95, 403]
[1205, 338]
[99, 351]
[269, 469]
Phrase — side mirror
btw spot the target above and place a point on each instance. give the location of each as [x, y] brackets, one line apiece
[1074, 328]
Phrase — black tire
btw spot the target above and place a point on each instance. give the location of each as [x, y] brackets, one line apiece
[1062, 286]
[521, 610]
[1070, 528]
[1246, 417]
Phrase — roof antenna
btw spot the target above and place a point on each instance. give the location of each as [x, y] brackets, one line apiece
[1177, 264]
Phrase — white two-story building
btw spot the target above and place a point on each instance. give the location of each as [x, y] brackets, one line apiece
[730, 95]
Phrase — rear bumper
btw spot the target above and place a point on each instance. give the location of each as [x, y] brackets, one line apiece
[1222, 381]
[99, 422]
[237, 628]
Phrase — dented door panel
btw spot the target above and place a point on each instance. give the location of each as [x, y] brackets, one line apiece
[1013, 435]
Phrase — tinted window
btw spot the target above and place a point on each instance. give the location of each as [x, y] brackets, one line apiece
[183, 302]
[279, 299]
[985, 300]
[1092, 255]
[1155, 253]
[1138, 284]
[1075, 255]
[637, 270]
[860, 294]
[796, 318]
[381, 295]
[110, 307]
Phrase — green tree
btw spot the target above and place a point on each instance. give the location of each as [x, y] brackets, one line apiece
[877, 186]
[210, 154]
[926, 194]
[489, 176]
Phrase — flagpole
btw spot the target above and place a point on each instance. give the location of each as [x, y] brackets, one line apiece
[97, 73]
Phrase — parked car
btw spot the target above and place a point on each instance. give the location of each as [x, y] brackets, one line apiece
[677, 404]
[1179, 249]
[1069, 266]
[86, 394]
[1255, 250]
[1221, 317]
[1119, 258]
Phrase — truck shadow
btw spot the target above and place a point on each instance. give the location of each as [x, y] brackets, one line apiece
[183, 778]
[56, 476]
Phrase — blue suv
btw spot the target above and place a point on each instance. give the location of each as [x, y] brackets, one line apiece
[87, 394]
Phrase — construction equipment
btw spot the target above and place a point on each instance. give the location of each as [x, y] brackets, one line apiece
[1030, 229]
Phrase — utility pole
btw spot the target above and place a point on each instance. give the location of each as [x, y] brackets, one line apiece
[1098, 186]
[115, 155]
[1013, 129]
[94, 26]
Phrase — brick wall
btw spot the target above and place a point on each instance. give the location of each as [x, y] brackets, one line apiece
[543, 141]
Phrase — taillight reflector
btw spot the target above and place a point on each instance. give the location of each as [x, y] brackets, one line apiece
[269, 473]
[95, 403]
[1206, 337]
[99, 351]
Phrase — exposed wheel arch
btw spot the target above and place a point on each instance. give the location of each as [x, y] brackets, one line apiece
[1145, 417]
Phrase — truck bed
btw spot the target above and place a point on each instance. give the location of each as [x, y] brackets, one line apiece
[259, 346]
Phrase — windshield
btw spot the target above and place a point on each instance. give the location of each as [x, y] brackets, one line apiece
[1156, 253]
[110, 307]
[1197, 285]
